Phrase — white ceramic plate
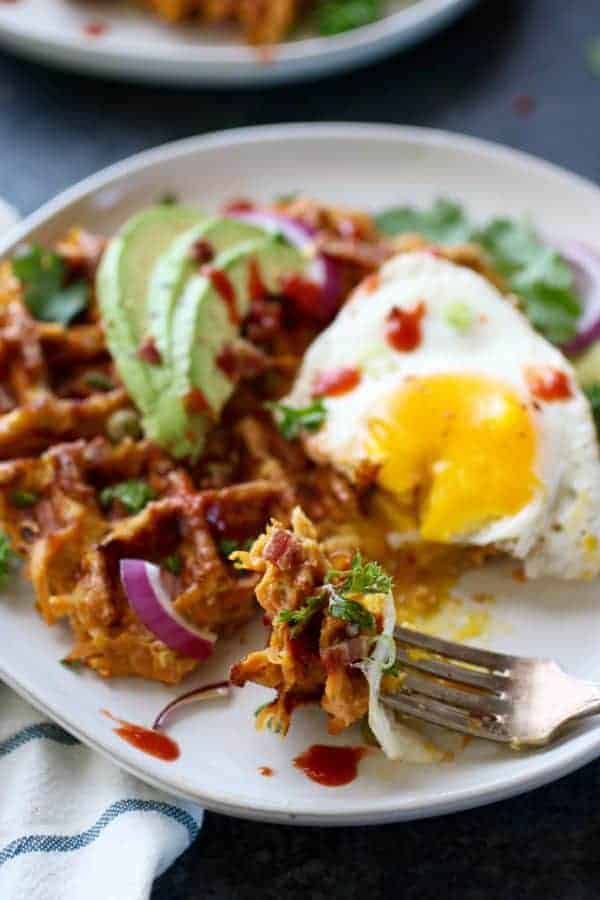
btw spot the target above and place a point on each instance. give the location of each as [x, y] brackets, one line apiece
[371, 167]
[135, 45]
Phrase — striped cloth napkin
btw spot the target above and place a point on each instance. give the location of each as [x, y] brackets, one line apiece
[72, 825]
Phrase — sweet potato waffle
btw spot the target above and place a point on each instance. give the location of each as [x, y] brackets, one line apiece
[59, 393]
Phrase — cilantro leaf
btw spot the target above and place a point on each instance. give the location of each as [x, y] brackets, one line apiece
[536, 273]
[445, 222]
[23, 499]
[336, 16]
[291, 420]
[351, 611]
[173, 563]
[297, 619]
[592, 392]
[361, 578]
[228, 546]
[43, 275]
[7, 557]
[134, 494]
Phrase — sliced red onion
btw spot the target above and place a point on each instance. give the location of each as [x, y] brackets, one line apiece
[147, 596]
[321, 269]
[207, 692]
[585, 263]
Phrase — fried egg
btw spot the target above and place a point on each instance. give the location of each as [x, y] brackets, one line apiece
[469, 423]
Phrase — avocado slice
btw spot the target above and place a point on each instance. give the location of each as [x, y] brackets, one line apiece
[202, 325]
[178, 264]
[122, 288]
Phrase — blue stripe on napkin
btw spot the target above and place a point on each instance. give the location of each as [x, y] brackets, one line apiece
[42, 731]
[58, 843]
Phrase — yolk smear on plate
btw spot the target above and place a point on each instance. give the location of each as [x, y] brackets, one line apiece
[442, 446]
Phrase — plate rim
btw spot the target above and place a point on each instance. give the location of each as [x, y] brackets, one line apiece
[559, 761]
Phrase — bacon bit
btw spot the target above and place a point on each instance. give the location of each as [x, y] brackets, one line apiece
[267, 771]
[256, 286]
[548, 384]
[241, 359]
[523, 104]
[518, 574]
[202, 251]
[336, 382]
[403, 327]
[95, 29]
[264, 319]
[148, 352]
[307, 295]
[195, 402]
[238, 204]
[283, 549]
[223, 286]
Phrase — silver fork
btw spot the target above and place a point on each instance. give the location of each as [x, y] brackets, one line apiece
[512, 699]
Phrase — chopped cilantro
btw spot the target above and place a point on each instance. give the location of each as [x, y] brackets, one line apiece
[7, 557]
[134, 494]
[337, 16]
[297, 619]
[43, 275]
[351, 611]
[445, 222]
[459, 316]
[291, 421]
[361, 578]
[592, 392]
[228, 546]
[23, 499]
[71, 663]
[536, 273]
[99, 380]
[173, 563]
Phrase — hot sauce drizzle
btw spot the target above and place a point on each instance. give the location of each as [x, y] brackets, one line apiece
[307, 296]
[256, 286]
[330, 766]
[549, 384]
[403, 327]
[336, 382]
[145, 739]
[223, 286]
[196, 402]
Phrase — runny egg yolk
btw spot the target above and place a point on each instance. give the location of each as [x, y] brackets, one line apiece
[460, 447]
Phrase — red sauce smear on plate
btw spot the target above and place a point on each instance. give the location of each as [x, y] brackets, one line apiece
[95, 29]
[267, 771]
[330, 766]
[153, 743]
[403, 327]
[549, 384]
[223, 286]
[336, 382]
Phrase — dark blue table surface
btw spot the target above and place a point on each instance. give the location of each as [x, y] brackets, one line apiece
[57, 128]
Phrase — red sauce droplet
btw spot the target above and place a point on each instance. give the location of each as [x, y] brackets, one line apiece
[549, 384]
[336, 382]
[307, 296]
[267, 771]
[403, 327]
[95, 29]
[238, 204]
[203, 251]
[223, 286]
[145, 739]
[256, 286]
[330, 766]
[148, 352]
[195, 402]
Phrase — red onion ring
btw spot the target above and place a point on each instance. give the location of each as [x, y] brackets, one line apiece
[321, 269]
[585, 265]
[207, 692]
[148, 598]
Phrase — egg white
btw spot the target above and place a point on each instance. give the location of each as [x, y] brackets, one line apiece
[558, 531]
